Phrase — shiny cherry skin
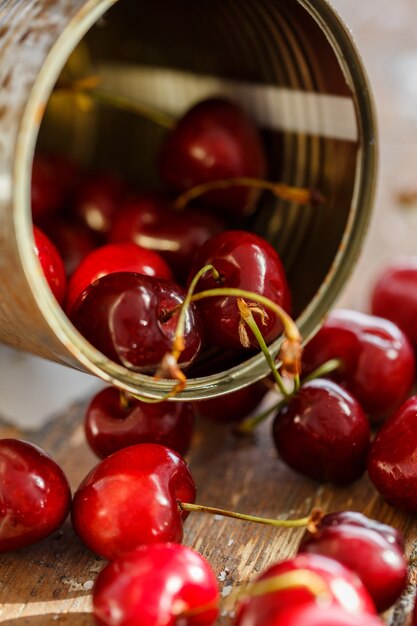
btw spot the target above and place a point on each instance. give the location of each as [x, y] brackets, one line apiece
[345, 591]
[354, 518]
[379, 564]
[324, 433]
[51, 263]
[319, 615]
[35, 497]
[47, 190]
[73, 240]
[131, 499]
[232, 407]
[378, 360]
[122, 257]
[150, 221]
[113, 422]
[392, 463]
[97, 199]
[156, 585]
[394, 296]
[214, 140]
[124, 315]
[245, 261]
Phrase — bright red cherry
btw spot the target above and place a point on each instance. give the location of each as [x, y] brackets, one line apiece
[113, 422]
[344, 590]
[353, 518]
[97, 199]
[131, 499]
[150, 221]
[73, 240]
[380, 565]
[316, 615]
[165, 584]
[122, 257]
[323, 432]
[378, 361]
[232, 407]
[47, 190]
[35, 497]
[126, 317]
[51, 263]
[244, 261]
[392, 463]
[214, 140]
[395, 296]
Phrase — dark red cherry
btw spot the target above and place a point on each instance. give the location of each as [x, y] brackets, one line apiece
[126, 317]
[244, 261]
[121, 257]
[319, 615]
[379, 564]
[157, 585]
[97, 199]
[113, 422]
[344, 590]
[323, 432]
[151, 221]
[47, 190]
[378, 360]
[414, 618]
[392, 463]
[353, 518]
[130, 499]
[51, 263]
[395, 296]
[232, 407]
[73, 240]
[35, 497]
[214, 140]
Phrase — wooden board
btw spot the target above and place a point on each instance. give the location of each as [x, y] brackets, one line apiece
[50, 583]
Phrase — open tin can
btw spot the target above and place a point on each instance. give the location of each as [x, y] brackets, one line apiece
[291, 64]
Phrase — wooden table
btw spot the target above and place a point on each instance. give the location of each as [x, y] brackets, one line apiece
[50, 583]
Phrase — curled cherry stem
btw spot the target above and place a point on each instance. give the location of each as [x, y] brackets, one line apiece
[311, 522]
[300, 195]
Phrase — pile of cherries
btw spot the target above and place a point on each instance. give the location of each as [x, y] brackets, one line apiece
[122, 265]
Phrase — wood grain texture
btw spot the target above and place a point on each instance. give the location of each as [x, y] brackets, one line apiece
[50, 583]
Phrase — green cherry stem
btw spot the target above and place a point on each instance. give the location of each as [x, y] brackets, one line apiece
[323, 370]
[248, 425]
[300, 195]
[311, 522]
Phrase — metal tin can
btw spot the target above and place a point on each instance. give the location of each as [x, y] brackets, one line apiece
[291, 63]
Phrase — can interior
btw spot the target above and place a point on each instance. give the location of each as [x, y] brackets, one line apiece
[277, 60]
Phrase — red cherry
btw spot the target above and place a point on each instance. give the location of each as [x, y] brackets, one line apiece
[156, 585]
[214, 140]
[378, 362]
[344, 588]
[314, 615]
[124, 316]
[130, 499]
[73, 240]
[232, 407]
[414, 618]
[395, 296]
[245, 261]
[151, 221]
[353, 518]
[380, 565]
[122, 257]
[112, 423]
[323, 433]
[392, 463]
[97, 199]
[35, 497]
[51, 263]
[47, 190]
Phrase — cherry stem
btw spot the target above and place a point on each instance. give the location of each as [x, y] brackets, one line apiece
[300, 195]
[125, 402]
[87, 87]
[311, 522]
[182, 612]
[248, 425]
[289, 580]
[323, 370]
[246, 314]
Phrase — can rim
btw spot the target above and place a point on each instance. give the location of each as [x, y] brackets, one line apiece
[86, 356]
